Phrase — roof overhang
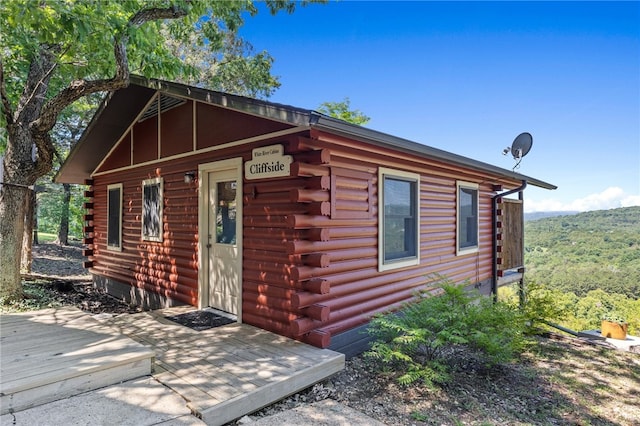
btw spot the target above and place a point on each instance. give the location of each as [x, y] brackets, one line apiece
[120, 108]
[340, 127]
[114, 115]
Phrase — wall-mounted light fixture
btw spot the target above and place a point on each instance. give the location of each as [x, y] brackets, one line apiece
[189, 177]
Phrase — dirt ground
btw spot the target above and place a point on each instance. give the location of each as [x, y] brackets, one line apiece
[560, 380]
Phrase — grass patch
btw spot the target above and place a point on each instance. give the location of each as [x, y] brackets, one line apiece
[49, 237]
[46, 237]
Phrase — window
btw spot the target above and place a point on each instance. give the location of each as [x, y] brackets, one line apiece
[226, 212]
[467, 218]
[114, 217]
[152, 209]
[399, 219]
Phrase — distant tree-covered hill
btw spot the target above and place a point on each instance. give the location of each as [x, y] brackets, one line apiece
[586, 251]
[542, 215]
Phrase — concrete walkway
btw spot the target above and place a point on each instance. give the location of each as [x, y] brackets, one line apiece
[321, 413]
[146, 402]
[138, 402]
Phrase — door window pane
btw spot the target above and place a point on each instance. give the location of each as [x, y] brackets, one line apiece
[226, 212]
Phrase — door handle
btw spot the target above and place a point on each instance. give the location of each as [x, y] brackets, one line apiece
[209, 245]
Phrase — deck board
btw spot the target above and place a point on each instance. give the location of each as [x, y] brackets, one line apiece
[222, 373]
[230, 371]
[55, 353]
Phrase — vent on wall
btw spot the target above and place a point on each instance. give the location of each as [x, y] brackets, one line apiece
[166, 103]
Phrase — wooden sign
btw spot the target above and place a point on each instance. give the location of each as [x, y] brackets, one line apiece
[268, 162]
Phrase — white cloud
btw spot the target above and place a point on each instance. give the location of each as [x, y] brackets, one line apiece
[630, 201]
[611, 198]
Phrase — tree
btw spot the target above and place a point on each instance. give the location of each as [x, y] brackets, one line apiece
[342, 111]
[55, 53]
[66, 133]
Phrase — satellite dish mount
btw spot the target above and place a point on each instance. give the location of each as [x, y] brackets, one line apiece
[520, 147]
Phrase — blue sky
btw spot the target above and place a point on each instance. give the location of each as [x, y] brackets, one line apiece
[468, 77]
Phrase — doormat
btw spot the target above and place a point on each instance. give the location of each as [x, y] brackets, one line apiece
[200, 320]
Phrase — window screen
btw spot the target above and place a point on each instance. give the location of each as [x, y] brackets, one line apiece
[467, 226]
[399, 219]
[152, 209]
[114, 214]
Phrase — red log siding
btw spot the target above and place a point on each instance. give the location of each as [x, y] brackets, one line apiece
[270, 272]
[357, 289]
[310, 242]
[168, 268]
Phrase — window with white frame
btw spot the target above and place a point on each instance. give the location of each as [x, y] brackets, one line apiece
[152, 209]
[114, 217]
[398, 219]
[467, 240]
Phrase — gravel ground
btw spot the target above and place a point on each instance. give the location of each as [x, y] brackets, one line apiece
[559, 381]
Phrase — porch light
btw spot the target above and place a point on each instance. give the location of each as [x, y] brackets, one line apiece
[189, 177]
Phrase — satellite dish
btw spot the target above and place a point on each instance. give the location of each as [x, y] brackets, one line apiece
[521, 145]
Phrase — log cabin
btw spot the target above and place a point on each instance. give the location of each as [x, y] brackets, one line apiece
[290, 220]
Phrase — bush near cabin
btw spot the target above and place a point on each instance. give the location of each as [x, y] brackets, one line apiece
[422, 340]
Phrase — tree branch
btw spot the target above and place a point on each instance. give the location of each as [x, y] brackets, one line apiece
[35, 90]
[155, 13]
[80, 88]
[6, 105]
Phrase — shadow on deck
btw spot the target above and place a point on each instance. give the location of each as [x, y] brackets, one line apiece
[52, 354]
[222, 373]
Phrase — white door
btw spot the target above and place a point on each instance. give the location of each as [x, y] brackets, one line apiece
[224, 239]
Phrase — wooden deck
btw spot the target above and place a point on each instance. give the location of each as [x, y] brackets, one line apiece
[222, 373]
[56, 353]
[227, 372]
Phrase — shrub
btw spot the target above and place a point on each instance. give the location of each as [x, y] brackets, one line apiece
[542, 305]
[417, 340]
[545, 305]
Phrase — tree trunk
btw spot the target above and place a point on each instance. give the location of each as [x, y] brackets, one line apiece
[63, 231]
[29, 124]
[19, 177]
[36, 239]
[30, 229]
[12, 213]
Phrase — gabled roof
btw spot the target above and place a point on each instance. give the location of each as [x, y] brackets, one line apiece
[120, 108]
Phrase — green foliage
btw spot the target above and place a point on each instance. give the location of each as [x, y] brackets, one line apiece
[588, 266]
[585, 252]
[614, 317]
[342, 110]
[541, 304]
[50, 201]
[50, 208]
[416, 415]
[81, 34]
[46, 237]
[199, 43]
[417, 340]
[36, 297]
[544, 304]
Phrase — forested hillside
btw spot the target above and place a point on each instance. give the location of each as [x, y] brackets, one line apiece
[586, 251]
